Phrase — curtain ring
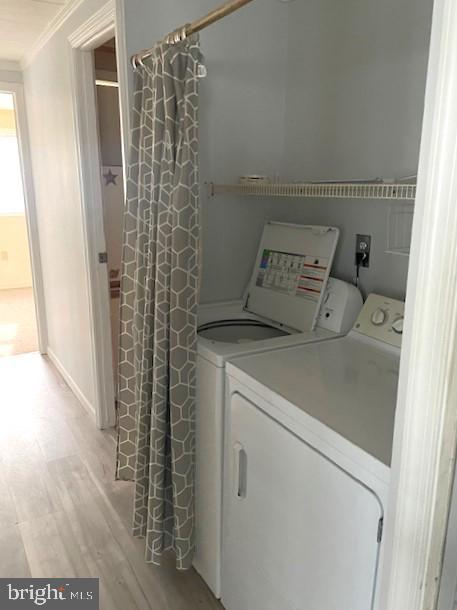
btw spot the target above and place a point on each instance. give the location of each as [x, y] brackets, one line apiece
[137, 59]
[178, 35]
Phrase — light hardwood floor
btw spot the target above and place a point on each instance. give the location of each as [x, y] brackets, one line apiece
[61, 512]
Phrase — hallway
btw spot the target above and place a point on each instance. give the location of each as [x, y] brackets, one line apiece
[61, 512]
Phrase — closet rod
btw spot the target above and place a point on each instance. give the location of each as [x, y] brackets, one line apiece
[192, 28]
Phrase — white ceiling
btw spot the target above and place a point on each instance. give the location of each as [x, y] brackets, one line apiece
[22, 22]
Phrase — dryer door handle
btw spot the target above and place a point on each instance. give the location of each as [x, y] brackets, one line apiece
[240, 467]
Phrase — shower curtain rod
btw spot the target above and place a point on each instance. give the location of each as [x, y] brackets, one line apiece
[192, 28]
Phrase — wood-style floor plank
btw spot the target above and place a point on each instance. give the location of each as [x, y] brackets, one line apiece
[13, 559]
[45, 549]
[8, 514]
[63, 514]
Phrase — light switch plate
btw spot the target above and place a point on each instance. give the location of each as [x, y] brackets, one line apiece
[399, 228]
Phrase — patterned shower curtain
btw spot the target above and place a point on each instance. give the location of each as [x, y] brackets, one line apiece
[159, 291]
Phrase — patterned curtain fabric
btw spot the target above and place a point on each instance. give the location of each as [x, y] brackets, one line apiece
[159, 292]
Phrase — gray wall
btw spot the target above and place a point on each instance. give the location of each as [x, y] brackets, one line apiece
[355, 87]
[311, 89]
[241, 119]
[109, 125]
[355, 91]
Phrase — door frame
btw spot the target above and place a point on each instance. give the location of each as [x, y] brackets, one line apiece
[426, 423]
[17, 91]
[99, 28]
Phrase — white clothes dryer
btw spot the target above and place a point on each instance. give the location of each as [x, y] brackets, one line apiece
[289, 302]
[309, 433]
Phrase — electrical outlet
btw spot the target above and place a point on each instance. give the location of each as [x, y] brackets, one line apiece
[362, 250]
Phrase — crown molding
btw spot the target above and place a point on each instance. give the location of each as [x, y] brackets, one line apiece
[104, 20]
[10, 65]
[54, 25]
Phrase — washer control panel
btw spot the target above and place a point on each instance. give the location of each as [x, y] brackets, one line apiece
[382, 319]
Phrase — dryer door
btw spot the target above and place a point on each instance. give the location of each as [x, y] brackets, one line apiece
[299, 532]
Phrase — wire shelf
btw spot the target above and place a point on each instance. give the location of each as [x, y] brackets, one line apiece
[328, 191]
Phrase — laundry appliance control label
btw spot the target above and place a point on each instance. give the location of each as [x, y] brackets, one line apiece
[294, 274]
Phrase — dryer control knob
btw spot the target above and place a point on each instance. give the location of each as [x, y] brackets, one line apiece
[397, 326]
[379, 317]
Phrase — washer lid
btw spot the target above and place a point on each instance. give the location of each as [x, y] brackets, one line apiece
[291, 272]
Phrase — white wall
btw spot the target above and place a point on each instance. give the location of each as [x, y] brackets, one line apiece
[58, 200]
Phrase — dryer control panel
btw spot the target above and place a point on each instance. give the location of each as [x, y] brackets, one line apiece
[382, 318]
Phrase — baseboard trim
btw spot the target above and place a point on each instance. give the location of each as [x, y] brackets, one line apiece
[70, 382]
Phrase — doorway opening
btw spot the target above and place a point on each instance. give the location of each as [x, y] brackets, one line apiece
[111, 175]
[18, 320]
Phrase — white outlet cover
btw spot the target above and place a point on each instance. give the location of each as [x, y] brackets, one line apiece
[399, 228]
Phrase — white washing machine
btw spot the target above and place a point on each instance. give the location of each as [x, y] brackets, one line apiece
[287, 292]
[308, 446]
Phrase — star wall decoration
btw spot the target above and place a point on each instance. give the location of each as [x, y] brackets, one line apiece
[110, 178]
